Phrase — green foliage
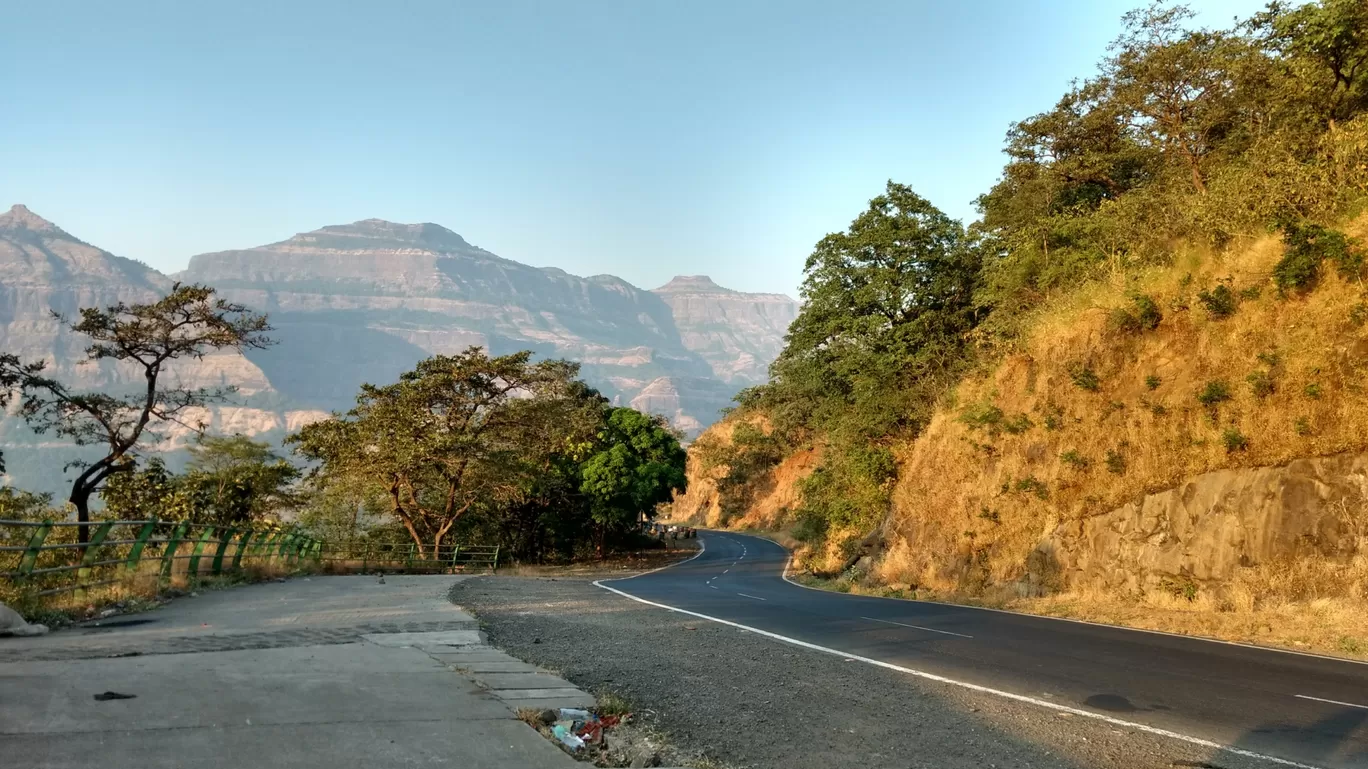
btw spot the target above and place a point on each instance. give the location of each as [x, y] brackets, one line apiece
[1312, 391]
[1260, 383]
[1143, 315]
[989, 515]
[1308, 246]
[20, 505]
[521, 452]
[188, 322]
[1116, 462]
[1152, 382]
[1084, 378]
[1301, 426]
[1216, 392]
[1358, 315]
[1054, 416]
[1033, 486]
[1234, 440]
[1075, 460]
[1220, 302]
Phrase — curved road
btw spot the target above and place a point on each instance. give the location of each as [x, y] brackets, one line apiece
[1280, 708]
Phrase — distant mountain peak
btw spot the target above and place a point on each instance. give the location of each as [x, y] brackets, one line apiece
[694, 284]
[19, 217]
[424, 234]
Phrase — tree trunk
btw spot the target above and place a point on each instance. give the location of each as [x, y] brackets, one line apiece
[80, 498]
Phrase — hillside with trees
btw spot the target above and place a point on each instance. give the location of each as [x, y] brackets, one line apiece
[1163, 295]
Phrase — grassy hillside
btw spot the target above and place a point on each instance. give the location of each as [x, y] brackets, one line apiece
[1133, 385]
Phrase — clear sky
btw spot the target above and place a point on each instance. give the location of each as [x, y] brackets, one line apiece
[642, 138]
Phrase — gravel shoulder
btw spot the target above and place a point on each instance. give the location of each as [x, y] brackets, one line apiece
[724, 697]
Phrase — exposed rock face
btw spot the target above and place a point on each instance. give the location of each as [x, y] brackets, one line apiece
[738, 334]
[365, 301]
[1215, 523]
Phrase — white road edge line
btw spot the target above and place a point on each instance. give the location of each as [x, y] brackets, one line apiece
[1255, 647]
[942, 679]
[1332, 702]
[915, 627]
[975, 687]
[756, 597]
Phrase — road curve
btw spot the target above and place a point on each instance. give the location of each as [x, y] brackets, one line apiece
[1281, 708]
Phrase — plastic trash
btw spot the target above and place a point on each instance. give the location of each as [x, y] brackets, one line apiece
[571, 714]
[567, 737]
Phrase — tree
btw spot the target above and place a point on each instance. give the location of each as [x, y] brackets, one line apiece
[450, 435]
[242, 480]
[640, 465]
[188, 322]
[1326, 42]
[886, 305]
[1178, 84]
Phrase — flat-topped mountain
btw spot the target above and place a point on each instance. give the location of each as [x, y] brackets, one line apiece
[363, 302]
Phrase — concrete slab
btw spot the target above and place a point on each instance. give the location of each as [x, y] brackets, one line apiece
[435, 640]
[456, 655]
[303, 685]
[580, 700]
[513, 695]
[367, 744]
[522, 681]
[494, 667]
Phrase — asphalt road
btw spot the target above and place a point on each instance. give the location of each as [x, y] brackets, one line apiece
[1285, 708]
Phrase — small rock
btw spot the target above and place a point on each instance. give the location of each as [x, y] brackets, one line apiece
[193, 594]
[107, 613]
[536, 640]
[548, 717]
[645, 759]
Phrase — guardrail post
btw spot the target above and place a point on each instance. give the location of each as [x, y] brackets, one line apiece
[495, 566]
[216, 566]
[408, 562]
[169, 558]
[35, 546]
[200, 543]
[89, 557]
[284, 547]
[455, 555]
[365, 557]
[135, 552]
[243, 544]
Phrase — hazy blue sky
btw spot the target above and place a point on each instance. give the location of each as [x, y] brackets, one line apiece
[639, 138]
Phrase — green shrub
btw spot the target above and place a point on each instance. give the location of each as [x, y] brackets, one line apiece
[1158, 409]
[1054, 416]
[1220, 302]
[1234, 440]
[1261, 383]
[1308, 246]
[1302, 426]
[1142, 315]
[1312, 391]
[1250, 293]
[1215, 392]
[1116, 462]
[983, 416]
[989, 515]
[1358, 314]
[1084, 378]
[1270, 358]
[1152, 382]
[1075, 460]
[1032, 485]
[1018, 424]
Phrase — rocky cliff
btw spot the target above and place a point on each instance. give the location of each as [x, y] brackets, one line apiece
[363, 302]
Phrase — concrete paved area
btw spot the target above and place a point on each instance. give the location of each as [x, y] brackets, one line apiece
[329, 672]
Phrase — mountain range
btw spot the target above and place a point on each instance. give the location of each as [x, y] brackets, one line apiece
[363, 302]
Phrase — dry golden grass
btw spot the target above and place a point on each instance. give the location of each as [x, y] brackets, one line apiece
[959, 506]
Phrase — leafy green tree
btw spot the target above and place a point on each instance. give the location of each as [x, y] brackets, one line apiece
[638, 466]
[449, 436]
[152, 490]
[241, 480]
[188, 322]
[1326, 45]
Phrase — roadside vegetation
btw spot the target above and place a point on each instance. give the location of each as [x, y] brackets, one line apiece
[1166, 280]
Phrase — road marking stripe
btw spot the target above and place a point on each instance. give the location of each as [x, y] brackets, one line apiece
[917, 627]
[1255, 647]
[724, 571]
[756, 597]
[974, 687]
[1332, 702]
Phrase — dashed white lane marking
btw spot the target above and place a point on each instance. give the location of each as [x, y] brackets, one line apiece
[756, 597]
[1332, 702]
[724, 571]
[916, 627]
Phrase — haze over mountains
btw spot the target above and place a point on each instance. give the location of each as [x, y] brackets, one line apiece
[363, 302]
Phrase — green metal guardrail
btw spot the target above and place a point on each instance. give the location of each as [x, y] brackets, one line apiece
[42, 558]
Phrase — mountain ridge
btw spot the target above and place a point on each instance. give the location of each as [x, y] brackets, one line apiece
[365, 301]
